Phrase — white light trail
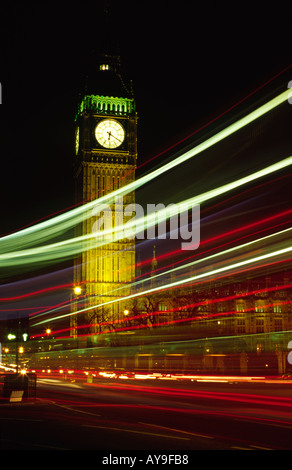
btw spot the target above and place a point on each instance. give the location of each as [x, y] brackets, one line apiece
[60, 224]
[69, 248]
[213, 272]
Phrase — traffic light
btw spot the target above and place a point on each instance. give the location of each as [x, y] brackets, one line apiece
[17, 329]
[11, 336]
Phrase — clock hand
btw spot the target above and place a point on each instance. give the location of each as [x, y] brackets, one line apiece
[116, 138]
[111, 135]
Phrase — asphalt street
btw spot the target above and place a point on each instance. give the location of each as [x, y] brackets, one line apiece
[130, 415]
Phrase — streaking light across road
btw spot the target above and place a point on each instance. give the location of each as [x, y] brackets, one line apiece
[228, 268]
[58, 225]
[68, 248]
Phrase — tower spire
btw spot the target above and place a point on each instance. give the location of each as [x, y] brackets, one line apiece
[154, 263]
[109, 39]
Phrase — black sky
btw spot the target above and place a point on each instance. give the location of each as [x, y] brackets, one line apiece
[189, 62]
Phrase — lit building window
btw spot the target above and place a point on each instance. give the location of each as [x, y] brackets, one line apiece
[240, 306]
[259, 306]
[162, 307]
[277, 309]
[241, 324]
[278, 324]
[260, 325]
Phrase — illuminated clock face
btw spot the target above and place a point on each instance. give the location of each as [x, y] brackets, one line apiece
[110, 133]
[77, 140]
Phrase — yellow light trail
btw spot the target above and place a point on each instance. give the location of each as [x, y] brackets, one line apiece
[60, 224]
[213, 272]
[68, 248]
[207, 259]
[214, 258]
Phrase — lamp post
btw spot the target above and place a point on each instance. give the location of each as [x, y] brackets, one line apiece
[77, 290]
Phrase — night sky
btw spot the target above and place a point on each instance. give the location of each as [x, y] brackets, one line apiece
[189, 62]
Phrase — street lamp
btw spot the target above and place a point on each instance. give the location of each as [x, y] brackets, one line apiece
[73, 320]
[77, 290]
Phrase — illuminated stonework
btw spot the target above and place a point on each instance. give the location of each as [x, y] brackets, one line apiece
[102, 166]
[106, 104]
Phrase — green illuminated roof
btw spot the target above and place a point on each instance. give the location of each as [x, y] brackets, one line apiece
[105, 90]
[106, 104]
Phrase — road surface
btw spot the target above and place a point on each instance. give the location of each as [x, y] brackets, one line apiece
[154, 415]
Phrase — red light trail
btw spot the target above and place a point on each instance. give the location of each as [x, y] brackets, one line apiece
[161, 257]
[175, 144]
[217, 237]
[179, 309]
[35, 293]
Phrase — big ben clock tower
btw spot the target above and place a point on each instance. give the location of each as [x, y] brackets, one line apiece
[105, 160]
